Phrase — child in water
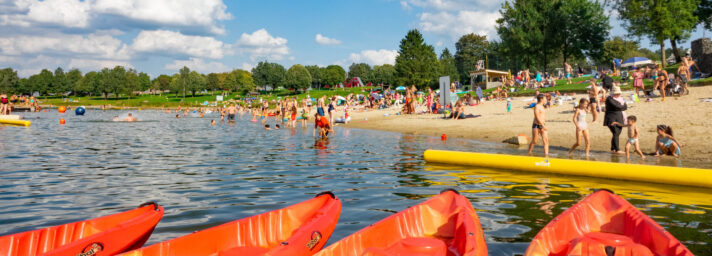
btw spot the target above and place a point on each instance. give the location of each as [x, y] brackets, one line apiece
[267, 127]
[276, 127]
[581, 126]
[633, 136]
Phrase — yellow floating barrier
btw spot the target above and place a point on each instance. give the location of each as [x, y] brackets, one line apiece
[15, 122]
[634, 172]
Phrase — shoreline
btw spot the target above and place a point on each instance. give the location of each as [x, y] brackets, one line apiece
[685, 114]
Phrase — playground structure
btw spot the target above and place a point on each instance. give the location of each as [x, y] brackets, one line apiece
[491, 78]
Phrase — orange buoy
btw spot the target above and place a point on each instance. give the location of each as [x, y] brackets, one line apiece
[61, 109]
[443, 137]
[61, 121]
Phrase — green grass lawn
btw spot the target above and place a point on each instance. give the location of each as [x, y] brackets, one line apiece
[579, 85]
[172, 100]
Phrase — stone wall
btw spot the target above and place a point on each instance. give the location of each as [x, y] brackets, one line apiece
[702, 54]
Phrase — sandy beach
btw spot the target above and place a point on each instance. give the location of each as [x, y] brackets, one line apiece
[689, 117]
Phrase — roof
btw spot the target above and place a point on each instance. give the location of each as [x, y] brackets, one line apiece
[488, 71]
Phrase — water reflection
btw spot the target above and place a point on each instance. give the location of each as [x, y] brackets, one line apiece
[206, 175]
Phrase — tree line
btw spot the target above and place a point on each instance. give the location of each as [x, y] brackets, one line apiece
[535, 34]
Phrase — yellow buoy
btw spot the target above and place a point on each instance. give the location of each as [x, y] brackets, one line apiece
[635, 172]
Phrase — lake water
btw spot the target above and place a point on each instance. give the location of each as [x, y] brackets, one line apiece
[207, 175]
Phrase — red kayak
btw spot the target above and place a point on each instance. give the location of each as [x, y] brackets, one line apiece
[300, 229]
[106, 235]
[443, 225]
[604, 224]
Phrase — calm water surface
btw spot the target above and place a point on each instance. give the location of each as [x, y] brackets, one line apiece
[204, 176]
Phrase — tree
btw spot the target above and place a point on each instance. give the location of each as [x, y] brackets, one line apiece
[469, 49]
[161, 83]
[195, 83]
[9, 81]
[619, 48]
[41, 82]
[384, 74]
[213, 82]
[144, 81]
[72, 78]
[447, 65]
[417, 63]
[268, 74]
[297, 77]
[580, 40]
[361, 70]
[334, 75]
[704, 13]
[316, 74]
[659, 20]
[130, 82]
[243, 80]
[180, 84]
[58, 84]
[88, 84]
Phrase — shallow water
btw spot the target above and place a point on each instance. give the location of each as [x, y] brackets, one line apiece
[204, 176]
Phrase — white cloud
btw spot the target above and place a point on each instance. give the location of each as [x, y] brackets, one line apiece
[374, 57]
[247, 66]
[456, 5]
[177, 43]
[199, 65]
[68, 13]
[325, 40]
[404, 5]
[98, 45]
[460, 23]
[203, 13]
[260, 44]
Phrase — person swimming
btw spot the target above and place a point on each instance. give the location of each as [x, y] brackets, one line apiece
[129, 118]
[116, 119]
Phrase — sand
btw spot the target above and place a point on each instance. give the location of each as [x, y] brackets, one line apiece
[689, 116]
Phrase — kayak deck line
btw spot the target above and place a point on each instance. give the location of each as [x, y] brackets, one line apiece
[634, 172]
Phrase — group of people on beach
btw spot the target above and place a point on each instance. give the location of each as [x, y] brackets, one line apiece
[615, 118]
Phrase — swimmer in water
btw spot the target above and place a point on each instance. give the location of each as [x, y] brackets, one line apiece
[276, 127]
[177, 116]
[116, 119]
[212, 122]
[267, 127]
[130, 118]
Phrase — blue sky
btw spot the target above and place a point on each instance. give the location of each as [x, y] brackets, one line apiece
[160, 36]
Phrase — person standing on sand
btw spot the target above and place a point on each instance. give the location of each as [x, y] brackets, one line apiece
[661, 81]
[593, 93]
[538, 125]
[684, 73]
[568, 70]
[615, 105]
[638, 81]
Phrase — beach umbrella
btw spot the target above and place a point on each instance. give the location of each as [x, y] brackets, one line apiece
[400, 88]
[636, 61]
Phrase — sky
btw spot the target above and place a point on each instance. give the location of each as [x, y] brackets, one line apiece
[162, 36]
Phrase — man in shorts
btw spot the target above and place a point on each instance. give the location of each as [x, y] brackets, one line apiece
[231, 111]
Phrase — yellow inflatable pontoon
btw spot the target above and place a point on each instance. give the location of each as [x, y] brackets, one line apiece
[634, 172]
[13, 120]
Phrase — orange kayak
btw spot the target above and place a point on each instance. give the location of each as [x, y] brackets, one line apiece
[443, 225]
[604, 224]
[300, 229]
[106, 235]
